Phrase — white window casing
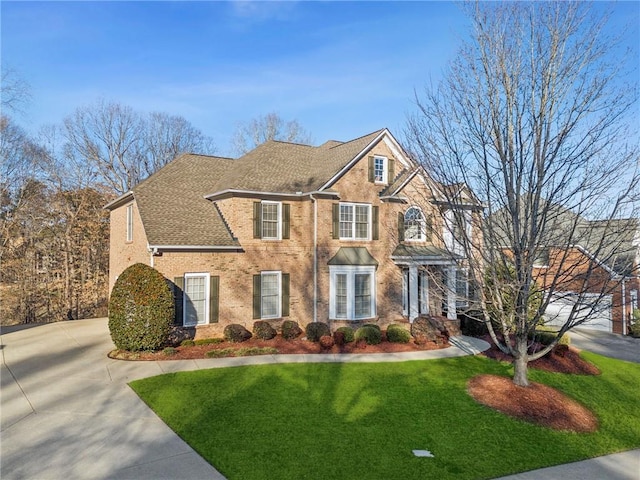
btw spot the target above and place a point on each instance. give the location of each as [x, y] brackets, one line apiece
[355, 221]
[196, 299]
[352, 291]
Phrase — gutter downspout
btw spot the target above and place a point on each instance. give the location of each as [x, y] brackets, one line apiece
[624, 307]
[315, 257]
[153, 251]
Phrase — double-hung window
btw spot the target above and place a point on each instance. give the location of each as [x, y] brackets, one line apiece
[271, 220]
[380, 169]
[196, 295]
[270, 295]
[352, 292]
[355, 221]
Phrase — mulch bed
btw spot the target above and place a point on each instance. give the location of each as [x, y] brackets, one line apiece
[536, 403]
[284, 347]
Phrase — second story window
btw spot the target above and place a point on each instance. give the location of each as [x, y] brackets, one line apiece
[355, 221]
[381, 169]
[414, 225]
[271, 220]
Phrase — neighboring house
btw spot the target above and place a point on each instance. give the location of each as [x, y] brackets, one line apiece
[604, 262]
[592, 266]
[344, 233]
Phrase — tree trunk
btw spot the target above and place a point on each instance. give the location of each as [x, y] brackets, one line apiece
[520, 363]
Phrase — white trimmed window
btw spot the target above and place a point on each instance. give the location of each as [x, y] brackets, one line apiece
[130, 222]
[195, 299]
[270, 295]
[414, 225]
[270, 292]
[271, 214]
[352, 292]
[462, 288]
[355, 221]
[380, 173]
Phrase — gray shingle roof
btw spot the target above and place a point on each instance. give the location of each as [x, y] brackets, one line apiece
[172, 202]
[173, 208]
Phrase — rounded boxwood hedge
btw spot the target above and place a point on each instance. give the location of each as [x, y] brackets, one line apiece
[290, 330]
[315, 330]
[140, 309]
[397, 334]
[263, 330]
[236, 333]
[347, 333]
[370, 334]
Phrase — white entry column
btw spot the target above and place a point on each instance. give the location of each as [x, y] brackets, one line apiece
[414, 308]
[451, 293]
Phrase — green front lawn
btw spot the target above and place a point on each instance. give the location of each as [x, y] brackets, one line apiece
[353, 421]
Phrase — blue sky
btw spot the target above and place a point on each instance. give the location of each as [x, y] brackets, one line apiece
[342, 69]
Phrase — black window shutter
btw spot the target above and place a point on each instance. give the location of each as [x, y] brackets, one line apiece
[375, 229]
[286, 220]
[178, 286]
[428, 228]
[257, 220]
[372, 173]
[285, 294]
[214, 299]
[400, 226]
[391, 170]
[257, 296]
[336, 221]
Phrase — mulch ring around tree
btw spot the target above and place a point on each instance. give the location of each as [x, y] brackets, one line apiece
[557, 360]
[537, 403]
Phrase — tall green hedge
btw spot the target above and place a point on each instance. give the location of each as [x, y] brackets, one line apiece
[140, 309]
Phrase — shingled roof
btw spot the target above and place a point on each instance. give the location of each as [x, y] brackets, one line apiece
[174, 205]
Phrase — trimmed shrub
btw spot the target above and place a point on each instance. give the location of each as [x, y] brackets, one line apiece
[338, 338]
[397, 334]
[377, 327]
[236, 333]
[169, 351]
[348, 334]
[187, 343]
[326, 341]
[315, 330]
[369, 333]
[290, 330]
[546, 335]
[140, 309]
[178, 334]
[263, 330]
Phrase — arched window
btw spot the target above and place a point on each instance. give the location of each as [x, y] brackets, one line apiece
[414, 224]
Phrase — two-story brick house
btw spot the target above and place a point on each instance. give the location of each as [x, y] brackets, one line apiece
[339, 233]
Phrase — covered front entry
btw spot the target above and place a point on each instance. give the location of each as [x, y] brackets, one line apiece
[426, 272]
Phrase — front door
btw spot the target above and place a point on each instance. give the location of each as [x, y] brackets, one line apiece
[415, 292]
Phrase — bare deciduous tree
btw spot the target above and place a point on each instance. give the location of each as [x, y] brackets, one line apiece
[534, 116]
[16, 92]
[267, 127]
[125, 146]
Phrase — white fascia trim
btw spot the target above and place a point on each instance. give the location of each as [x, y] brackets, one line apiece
[608, 269]
[192, 247]
[121, 200]
[355, 159]
[404, 184]
[229, 193]
[397, 150]
[422, 261]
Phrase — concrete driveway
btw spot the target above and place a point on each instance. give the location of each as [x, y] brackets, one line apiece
[67, 412]
[607, 344]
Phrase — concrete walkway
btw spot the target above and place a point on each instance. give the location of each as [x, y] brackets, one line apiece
[66, 411]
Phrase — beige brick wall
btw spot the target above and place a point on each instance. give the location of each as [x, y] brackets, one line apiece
[293, 256]
[122, 253]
